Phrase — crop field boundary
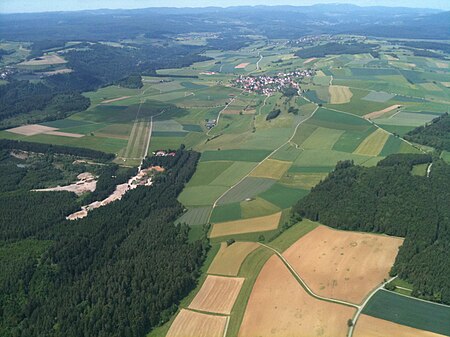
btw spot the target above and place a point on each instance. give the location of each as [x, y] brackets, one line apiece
[268, 156]
[379, 127]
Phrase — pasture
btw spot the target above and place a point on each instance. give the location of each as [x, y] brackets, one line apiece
[279, 306]
[252, 225]
[191, 323]
[343, 265]
[217, 294]
[409, 311]
[229, 259]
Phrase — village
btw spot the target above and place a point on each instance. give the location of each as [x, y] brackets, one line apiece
[267, 85]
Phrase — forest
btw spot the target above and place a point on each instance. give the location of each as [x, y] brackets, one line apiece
[436, 134]
[389, 199]
[336, 48]
[118, 272]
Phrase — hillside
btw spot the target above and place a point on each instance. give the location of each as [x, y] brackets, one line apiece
[389, 199]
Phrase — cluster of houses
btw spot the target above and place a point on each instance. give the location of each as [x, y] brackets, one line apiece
[6, 72]
[306, 40]
[267, 85]
[210, 124]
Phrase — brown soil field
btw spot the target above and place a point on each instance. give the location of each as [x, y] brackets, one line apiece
[271, 168]
[343, 265]
[259, 224]
[45, 60]
[194, 324]
[309, 60]
[229, 258]
[31, 130]
[368, 326]
[446, 84]
[217, 294]
[115, 99]
[379, 113]
[280, 307]
[241, 66]
[442, 64]
[64, 134]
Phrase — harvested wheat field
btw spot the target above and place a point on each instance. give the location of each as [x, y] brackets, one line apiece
[259, 224]
[44, 60]
[194, 324]
[380, 113]
[31, 129]
[271, 168]
[368, 326]
[115, 99]
[373, 144]
[343, 265]
[280, 307]
[217, 294]
[241, 66]
[229, 258]
[339, 94]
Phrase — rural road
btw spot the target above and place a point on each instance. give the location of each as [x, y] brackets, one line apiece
[361, 307]
[328, 299]
[257, 63]
[303, 283]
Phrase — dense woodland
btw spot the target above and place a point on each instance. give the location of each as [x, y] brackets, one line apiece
[275, 22]
[118, 272]
[335, 48]
[436, 134]
[389, 199]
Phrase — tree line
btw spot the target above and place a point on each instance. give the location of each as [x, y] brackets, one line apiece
[121, 271]
[436, 134]
[389, 199]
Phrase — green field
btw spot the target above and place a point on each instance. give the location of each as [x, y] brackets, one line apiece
[195, 216]
[246, 189]
[409, 311]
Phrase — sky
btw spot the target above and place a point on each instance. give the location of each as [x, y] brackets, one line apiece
[19, 6]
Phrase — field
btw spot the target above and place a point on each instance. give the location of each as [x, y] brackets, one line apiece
[409, 311]
[229, 259]
[374, 327]
[343, 265]
[278, 306]
[191, 323]
[44, 60]
[217, 294]
[252, 171]
[259, 224]
[339, 94]
[273, 169]
[373, 144]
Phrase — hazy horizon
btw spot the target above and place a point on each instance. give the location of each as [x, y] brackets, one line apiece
[30, 6]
